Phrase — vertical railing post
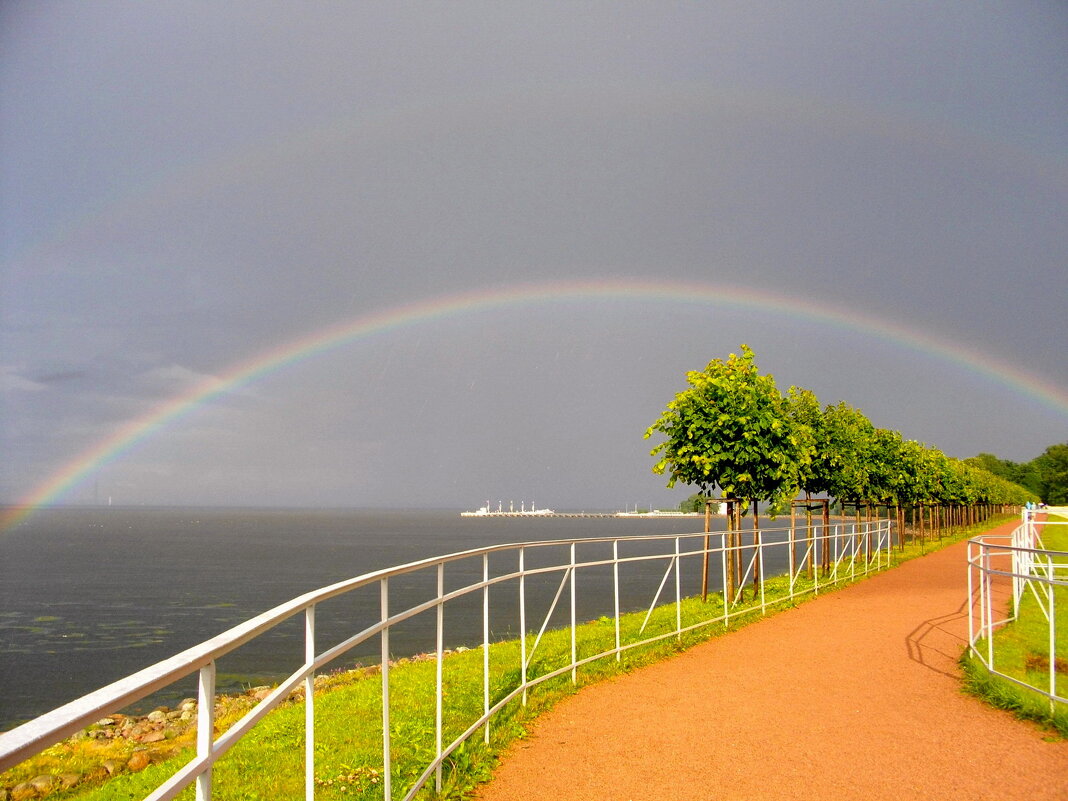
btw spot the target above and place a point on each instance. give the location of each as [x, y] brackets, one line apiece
[309, 705]
[205, 727]
[826, 545]
[438, 674]
[809, 548]
[1052, 639]
[723, 577]
[877, 542]
[878, 538]
[759, 537]
[865, 531]
[485, 647]
[793, 547]
[574, 646]
[615, 593]
[816, 557]
[523, 620]
[1017, 572]
[989, 612]
[678, 590]
[826, 517]
[875, 534]
[971, 601]
[982, 588]
[853, 553]
[728, 550]
[387, 766]
[836, 537]
[840, 544]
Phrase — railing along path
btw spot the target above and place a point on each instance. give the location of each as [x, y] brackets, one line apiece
[524, 574]
[1002, 571]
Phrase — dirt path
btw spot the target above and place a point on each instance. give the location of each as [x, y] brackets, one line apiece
[853, 695]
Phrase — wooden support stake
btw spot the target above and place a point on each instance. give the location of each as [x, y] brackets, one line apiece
[793, 539]
[704, 562]
[728, 580]
[756, 550]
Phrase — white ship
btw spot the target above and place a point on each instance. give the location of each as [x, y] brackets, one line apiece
[486, 511]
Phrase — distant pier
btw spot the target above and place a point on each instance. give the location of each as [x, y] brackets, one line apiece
[652, 515]
[533, 511]
[541, 514]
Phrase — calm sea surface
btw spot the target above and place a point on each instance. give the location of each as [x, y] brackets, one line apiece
[88, 596]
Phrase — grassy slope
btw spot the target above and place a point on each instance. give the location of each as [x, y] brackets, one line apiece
[269, 762]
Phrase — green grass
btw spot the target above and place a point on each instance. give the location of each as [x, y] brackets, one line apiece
[1022, 650]
[268, 763]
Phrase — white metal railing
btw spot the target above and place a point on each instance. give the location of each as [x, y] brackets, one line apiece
[826, 555]
[1002, 572]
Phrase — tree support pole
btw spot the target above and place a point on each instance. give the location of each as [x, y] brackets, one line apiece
[756, 549]
[826, 536]
[728, 579]
[704, 561]
[793, 522]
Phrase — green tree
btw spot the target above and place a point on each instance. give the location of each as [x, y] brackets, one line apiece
[730, 429]
[695, 503]
[1052, 469]
[814, 471]
[888, 471]
[850, 442]
[918, 480]
[992, 464]
[1026, 474]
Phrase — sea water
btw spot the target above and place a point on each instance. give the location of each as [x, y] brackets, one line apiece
[90, 595]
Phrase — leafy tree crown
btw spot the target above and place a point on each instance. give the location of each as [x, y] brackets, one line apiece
[730, 429]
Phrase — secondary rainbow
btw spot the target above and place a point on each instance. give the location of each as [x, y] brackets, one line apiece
[451, 113]
[452, 305]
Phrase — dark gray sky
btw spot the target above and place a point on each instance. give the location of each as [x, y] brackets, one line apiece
[187, 186]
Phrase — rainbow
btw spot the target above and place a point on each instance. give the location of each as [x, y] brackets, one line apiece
[454, 305]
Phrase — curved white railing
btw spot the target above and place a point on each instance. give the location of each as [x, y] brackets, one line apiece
[839, 552]
[1002, 571]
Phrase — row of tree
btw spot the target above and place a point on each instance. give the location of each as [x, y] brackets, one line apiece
[1046, 475]
[732, 429]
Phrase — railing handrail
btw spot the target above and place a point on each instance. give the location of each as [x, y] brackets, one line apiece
[986, 550]
[1029, 564]
[59, 723]
[29, 738]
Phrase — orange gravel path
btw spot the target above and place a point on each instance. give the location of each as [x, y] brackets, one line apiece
[853, 695]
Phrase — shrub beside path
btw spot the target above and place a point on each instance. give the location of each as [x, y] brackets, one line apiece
[855, 694]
